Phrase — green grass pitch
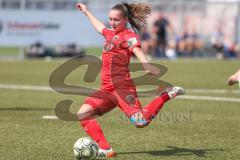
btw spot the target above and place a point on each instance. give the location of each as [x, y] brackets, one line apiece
[205, 130]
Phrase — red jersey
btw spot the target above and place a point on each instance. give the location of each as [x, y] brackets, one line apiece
[116, 55]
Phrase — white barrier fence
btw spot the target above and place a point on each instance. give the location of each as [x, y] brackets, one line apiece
[22, 28]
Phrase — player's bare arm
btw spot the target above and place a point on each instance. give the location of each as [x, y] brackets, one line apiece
[143, 59]
[98, 25]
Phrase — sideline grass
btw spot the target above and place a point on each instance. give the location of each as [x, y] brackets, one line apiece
[9, 51]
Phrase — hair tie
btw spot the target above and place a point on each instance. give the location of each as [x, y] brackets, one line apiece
[128, 10]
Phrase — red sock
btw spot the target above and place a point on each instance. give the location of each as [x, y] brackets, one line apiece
[152, 109]
[93, 129]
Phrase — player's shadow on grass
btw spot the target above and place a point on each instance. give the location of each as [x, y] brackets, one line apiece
[25, 109]
[177, 151]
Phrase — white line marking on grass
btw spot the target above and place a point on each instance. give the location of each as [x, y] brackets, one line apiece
[25, 87]
[49, 117]
[46, 88]
[217, 91]
[211, 98]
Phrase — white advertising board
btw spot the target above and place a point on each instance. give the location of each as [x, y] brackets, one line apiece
[22, 28]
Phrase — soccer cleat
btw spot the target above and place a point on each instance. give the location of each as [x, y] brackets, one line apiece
[138, 120]
[175, 91]
[105, 154]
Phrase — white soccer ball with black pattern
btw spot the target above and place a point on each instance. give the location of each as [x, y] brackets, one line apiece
[85, 148]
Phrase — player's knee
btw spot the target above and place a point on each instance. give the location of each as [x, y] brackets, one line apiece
[85, 112]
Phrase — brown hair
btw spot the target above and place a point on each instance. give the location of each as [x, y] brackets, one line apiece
[136, 13]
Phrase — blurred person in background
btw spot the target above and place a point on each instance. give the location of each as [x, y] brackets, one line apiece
[161, 27]
[189, 44]
[69, 50]
[146, 41]
[171, 50]
[217, 41]
[231, 50]
[237, 50]
[38, 50]
[223, 44]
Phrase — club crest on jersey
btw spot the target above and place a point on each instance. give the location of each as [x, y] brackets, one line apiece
[115, 37]
[131, 41]
[131, 99]
[108, 46]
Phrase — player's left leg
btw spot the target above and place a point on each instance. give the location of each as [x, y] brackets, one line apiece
[150, 111]
[141, 117]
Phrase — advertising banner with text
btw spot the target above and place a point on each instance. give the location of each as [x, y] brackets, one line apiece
[22, 28]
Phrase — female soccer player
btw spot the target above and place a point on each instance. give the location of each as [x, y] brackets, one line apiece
[117, 88]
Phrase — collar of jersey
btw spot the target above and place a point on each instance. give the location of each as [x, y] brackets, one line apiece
[120, 31]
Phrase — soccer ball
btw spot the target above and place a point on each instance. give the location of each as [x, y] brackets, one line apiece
[85, 148]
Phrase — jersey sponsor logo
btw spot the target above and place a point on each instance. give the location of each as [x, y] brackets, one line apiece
[132, 41]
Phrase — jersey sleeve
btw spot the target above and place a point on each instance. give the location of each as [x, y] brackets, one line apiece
[106, 32]
[133, 41]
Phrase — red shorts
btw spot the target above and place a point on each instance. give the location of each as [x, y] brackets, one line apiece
[104, 101]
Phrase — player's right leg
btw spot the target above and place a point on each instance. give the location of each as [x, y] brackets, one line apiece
[86, 112]
[96, 105]
[87, 119]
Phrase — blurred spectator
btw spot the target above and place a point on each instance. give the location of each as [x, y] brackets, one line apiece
[217, 41]
[38, 50]
[160, 28]
[171, 50]
[189, 44]
[223, 45]
[230, 49]
[68, 50]
[146, 41]
[198, 46]
[237, 50]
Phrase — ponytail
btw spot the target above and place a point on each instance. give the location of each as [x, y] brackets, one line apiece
[136, 13]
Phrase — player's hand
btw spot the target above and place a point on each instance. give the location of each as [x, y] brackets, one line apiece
[150, 69]
[82, 7]
[235, 78]
[232, 80]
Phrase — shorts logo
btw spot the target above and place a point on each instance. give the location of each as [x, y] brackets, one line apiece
[131, 99]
